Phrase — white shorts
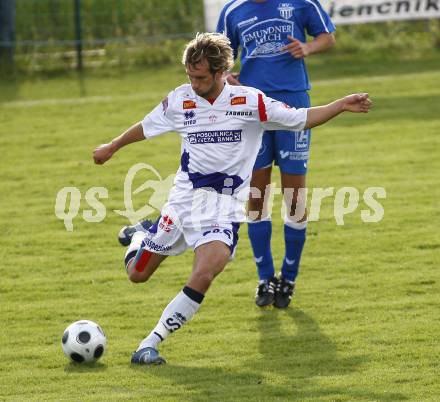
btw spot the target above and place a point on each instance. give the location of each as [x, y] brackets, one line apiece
[184, 225]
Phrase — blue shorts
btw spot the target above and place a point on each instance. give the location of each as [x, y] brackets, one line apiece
[289, 149]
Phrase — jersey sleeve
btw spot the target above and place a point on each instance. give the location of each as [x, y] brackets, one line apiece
[225, 26]
[275, 115]
[160, 119]
[318, 21]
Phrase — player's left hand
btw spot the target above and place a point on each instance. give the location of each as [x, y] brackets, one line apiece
[296, 48]
[357, 103]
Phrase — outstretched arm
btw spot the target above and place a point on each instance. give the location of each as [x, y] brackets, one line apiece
[356, 103]
[105, 151]
[276, 116]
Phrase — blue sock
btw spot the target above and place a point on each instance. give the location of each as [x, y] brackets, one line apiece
[260, 234]
[294, 240]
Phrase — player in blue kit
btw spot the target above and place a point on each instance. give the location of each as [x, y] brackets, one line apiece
[272, 38]
[221, 127]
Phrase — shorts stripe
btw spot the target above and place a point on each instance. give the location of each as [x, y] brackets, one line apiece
[235, 227]
[142, 258]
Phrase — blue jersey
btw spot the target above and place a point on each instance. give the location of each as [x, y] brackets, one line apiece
[261, 30]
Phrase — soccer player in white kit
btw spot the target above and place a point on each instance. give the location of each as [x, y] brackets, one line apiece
[221, 128]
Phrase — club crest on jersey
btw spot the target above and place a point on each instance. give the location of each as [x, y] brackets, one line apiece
[189, 104]
[286, 10]
[238, 100]
[166, 223]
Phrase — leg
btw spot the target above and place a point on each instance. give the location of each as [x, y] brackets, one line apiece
[260, 229]
[260, 233]
[294, 199]
[210, 260]
[257, 204]
[295, 223]
[143, 274]
[259, 223]
[140, 263]
[291, 155]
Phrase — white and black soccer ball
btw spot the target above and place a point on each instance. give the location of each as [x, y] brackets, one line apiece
[84, 341]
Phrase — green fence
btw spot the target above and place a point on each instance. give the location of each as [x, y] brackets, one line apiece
[49, 29]
[105, 21]
[48, 35]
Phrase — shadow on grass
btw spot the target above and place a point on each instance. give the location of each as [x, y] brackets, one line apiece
[304, 358]
[73, 367]
[206, 383]
[290, 366]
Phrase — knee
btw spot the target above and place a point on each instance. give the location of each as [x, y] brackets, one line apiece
[135, 276]
[138, 265]
[204, 279]
[255, 208]
[297, 210]
[256, 204]
[207, 276]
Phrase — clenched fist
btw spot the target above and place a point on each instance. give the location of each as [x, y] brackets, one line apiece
[103, 153]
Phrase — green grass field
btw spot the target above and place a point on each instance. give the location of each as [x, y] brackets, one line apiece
[365, 321]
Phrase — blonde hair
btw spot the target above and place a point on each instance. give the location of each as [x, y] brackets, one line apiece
[215, 48]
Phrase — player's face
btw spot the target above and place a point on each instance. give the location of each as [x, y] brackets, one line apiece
[203, 82]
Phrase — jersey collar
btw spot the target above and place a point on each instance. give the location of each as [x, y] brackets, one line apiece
[220, 99]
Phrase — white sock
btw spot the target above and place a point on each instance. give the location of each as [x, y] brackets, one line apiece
[178, 312]
[134, 246]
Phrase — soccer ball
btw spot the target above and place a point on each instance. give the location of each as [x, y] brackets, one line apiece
[84, 341]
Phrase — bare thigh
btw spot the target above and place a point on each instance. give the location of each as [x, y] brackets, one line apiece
[257, 205]
[209, 260]
[293, 199]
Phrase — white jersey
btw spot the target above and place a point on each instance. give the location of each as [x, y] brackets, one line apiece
[220, 141]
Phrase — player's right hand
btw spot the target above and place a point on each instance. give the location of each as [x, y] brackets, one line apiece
[296, 48]
[103, 153]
